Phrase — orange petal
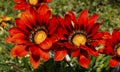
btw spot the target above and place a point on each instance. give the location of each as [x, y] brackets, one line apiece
[18, 50]
[35, 60]
[46, 44]
[60, 55]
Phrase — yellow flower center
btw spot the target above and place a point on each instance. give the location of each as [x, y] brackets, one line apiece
[79, 39]
[118, 51]
[33, 2]
[40, 36]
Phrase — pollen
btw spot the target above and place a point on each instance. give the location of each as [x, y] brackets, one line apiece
[118, 51]
[33, 2]
[39, 37]
[79, 39]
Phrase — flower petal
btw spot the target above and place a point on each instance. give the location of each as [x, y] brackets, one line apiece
[29, 18]
[18, 50]
[21, 6]
[90, 50]
[84, 60]
[43, 14]
[60, 55]
[18, 1]
[44, 55]
[52, 25]
[14, 30]
[35, 60]
[113, 62]
[83, 19]
[46, 44]
[94, 29]
[21, 26]
[75, 53]
[92, 21]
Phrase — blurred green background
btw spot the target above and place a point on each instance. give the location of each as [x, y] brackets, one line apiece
[109, 11]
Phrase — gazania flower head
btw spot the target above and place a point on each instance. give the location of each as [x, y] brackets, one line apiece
[33, 34]
[113, 48]
[23, 4]
[81, 36]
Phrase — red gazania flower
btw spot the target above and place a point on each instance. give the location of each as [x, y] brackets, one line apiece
[33, 34]
[81, 36]
[113, 48]
[24, 4]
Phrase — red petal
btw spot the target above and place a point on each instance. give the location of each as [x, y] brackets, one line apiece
[83, 18]
[21, 26]
[90, 50]
[84, 60]
[92, 20]
[72, 17]
[113, 62]
[70, 46]
[28, 18]
[60, 55]
[47, 0]
[109, 50]
[18, 50]
[47, 16]
[106, 35]
[35, 63]
[18, 1]
[52, 25]
[14, 30]
[43, 9]
[46, 44]
[44, 14]
[44, 54]
[19, 35]
[94, 29]
[75, 53]
[98, 35]
[21, 6]
[19, 39]
[115, 35]
[94, 43]
[67, 23]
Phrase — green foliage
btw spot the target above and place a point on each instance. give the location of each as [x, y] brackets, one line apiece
[109, 11]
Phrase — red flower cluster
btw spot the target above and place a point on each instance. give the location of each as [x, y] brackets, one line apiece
[113, 48]
[37, 32]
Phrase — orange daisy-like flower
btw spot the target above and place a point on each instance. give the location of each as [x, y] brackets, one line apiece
[33, 34]
[81, 36]
[113, 48]
[23, 4]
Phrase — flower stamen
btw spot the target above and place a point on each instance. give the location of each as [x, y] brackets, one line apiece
[33, 2]
[40, 36]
